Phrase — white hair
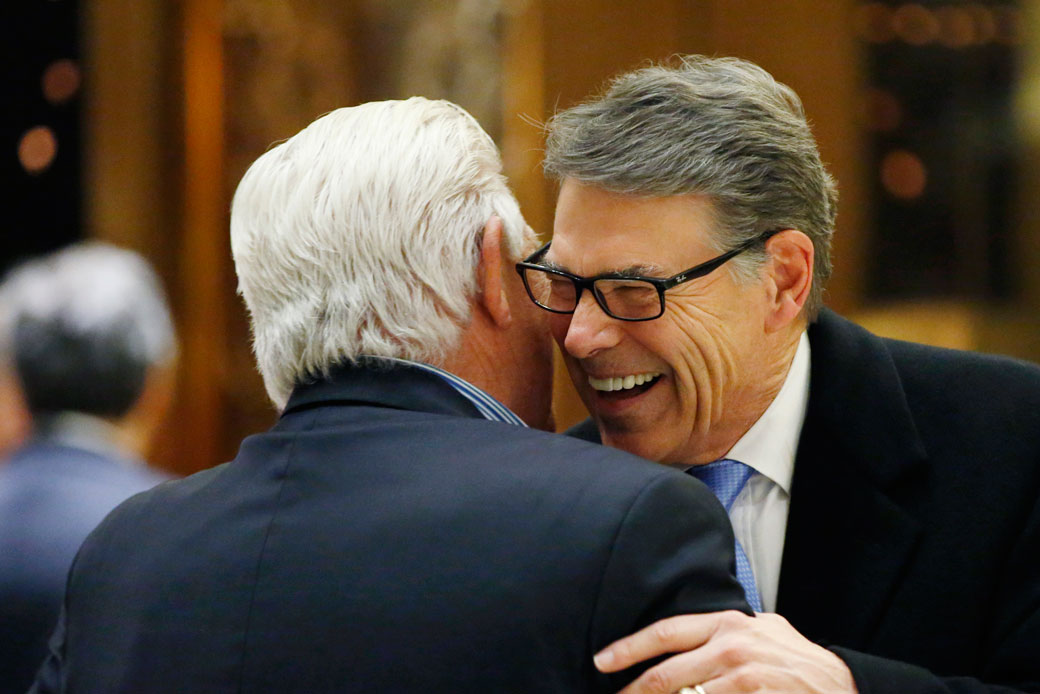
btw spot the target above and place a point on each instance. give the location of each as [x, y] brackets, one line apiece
[360, 235]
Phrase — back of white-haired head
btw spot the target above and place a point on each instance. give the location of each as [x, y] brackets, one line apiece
[83, 326]
[359, 236]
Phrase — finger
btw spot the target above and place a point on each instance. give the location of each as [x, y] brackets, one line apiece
[682, 633]
[673, 674]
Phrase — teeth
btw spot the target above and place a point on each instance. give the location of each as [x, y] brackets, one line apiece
[622, 382]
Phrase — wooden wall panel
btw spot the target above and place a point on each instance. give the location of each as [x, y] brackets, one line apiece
[204, 249]
[127, 115]
[132, 152]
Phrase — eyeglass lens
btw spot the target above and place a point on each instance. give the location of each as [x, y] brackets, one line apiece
[621, 298]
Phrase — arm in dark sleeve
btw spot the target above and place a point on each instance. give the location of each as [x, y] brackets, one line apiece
[673, 555]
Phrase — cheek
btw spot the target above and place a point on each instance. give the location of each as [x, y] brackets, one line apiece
[675, 338]
[690, 350]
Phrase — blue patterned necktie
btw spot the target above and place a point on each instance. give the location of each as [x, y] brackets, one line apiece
[726, 478]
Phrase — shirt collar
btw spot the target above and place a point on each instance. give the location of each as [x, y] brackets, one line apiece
[490, 408]
[770, 445]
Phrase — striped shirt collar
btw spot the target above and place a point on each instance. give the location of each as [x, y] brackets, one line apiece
[490, 408]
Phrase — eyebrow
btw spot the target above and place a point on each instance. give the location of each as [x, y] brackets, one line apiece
[628, 272]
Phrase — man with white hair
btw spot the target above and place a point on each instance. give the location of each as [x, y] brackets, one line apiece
[92, 345]
[400, 528]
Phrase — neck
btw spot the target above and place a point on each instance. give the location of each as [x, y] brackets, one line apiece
[111, 436]
[488, 359]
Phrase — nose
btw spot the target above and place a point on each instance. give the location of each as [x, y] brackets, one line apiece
[590, 329]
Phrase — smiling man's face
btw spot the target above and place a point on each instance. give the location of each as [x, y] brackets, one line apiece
[704, 364]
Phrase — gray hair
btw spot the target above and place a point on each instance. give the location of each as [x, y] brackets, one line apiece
[83, 326]
[359, 236]
[719, 127]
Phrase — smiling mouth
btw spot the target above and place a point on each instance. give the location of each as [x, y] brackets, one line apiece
[624, 386]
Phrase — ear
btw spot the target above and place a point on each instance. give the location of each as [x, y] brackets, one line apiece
[492, 264]
[789, 274]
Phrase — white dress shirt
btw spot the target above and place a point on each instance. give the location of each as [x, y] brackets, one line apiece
[759, 513]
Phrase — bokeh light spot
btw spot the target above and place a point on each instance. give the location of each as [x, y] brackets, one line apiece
[1008, 21]
[37, 149]
[874, 22]
[916, 24]
[985, 24]
[957, 27]
[903, 174]
[61, 81]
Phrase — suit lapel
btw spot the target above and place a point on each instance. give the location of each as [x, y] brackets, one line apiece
[848, 538]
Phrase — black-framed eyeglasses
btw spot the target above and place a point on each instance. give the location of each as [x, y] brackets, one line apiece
[623, 296]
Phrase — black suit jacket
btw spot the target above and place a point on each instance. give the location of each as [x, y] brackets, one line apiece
[913, 540]
[914, 530]
[383, 537]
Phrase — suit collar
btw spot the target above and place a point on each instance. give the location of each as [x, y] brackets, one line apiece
[856, 391]
[383, 384]
[848, 536]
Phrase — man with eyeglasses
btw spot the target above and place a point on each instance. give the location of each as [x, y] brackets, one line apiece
[401, 528]
[883, 494]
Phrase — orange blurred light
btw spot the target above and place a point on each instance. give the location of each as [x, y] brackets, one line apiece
[874, 22]
[957, 27]
[1008, 22]
[985, 24]
[903, 174]
[37, 149]
[916, 24]
[61, 81]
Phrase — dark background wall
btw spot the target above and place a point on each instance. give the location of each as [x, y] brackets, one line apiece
[39, 128]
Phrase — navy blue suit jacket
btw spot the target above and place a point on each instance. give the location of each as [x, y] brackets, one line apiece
[913, 540]
[383, 537]
[51, 496]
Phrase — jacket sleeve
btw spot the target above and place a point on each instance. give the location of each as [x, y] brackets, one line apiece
[875, 675]
[673, 554]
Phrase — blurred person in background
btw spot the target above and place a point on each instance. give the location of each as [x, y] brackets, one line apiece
[92, 345]
[886, 495]
[400, 528]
